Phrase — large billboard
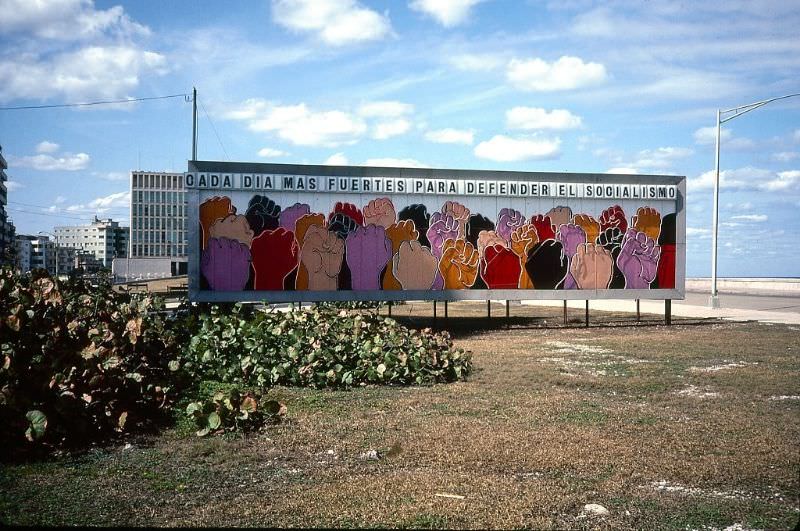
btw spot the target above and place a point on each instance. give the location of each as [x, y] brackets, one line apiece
[286, 232]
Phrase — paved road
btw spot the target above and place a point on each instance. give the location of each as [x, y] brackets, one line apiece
[769, 303]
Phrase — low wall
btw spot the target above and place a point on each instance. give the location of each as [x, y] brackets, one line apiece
[753, 286]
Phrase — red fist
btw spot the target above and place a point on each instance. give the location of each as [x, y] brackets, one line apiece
[275, 254]
[613, 217]
[500, 268]
[544, 227]
[349, 210]
[666, 267]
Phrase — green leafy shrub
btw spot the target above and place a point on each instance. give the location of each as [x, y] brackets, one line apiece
[80, 363]
[232, 410]
[319, 347]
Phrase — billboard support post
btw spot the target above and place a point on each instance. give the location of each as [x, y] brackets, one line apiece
[508, 314]
[565, 312]
[668, 312]
[587, 313]
[488, 309]
[445, 309]
[638, 313]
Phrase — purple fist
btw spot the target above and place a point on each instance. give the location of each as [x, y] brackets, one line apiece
[638, 259]
[508, 220]
[368, 252]
[289, 216]
[570, 236]
[442, 227]
[226, 264]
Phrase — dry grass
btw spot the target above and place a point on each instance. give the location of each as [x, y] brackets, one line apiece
[552, 419]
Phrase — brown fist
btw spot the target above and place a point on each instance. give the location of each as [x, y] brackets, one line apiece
[592, 266]
[560, 215]
[232, 227]
[380, 212]
[458, 212]
[397, 233]
[589, 225]
[648, 220]
[414, 266]
[321, 254]
[210, 211]
[304, 222]
[523, 238]
[459, 264]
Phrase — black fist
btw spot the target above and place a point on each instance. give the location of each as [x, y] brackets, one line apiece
[611, 240]
[342, 225]
[422, 220]
[262, 214]
[476, 224]
[547, 265]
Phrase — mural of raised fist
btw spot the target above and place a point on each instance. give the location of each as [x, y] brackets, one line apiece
[589, 225]
[665, 277]
[613, 217]
[611, 240]
[592, 266]
[458, 212]
[289, 216]
[232, 227]
[459, 264]
[349, 210]
[570, 236]
[508, 220]
[342, 224]
[477, 224]
[321, 254]
[638, 259]
[547, 265]
[380, 212]
[419, 215]
[487, 238]
[544, 227]
[397, 233]
[647, 220]
[443, 227]
[368, 250]
[225, 264]
[560, 215]
[275, 254]
[500, 268]
[210, 211]
[522, 240]
[262, 214]
[414, 266]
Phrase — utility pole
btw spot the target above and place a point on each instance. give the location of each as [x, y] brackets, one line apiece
[194, 123]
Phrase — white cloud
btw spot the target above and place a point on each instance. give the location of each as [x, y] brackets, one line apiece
[271, 153]
[623, 170]
[535, 118]
[337, 159]
[12, 185]
[471, 62]
[385, 109]
[119, 199]
[451, 136]
[384, 130]
[45, 162]
[336, 22]
[395, 163]
[448, 13]
[66, 20]
[785, 156]
[564, 74]
[302, 126]
[60, 199]
[248, 110]
[88, 73]
[756, 218]
[46, 147]
[502, 148]
[661, 158]
[700, 233]
[748, 179]
[708, 136]
[796, 135]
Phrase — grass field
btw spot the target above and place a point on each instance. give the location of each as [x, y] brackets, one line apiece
[693, 426]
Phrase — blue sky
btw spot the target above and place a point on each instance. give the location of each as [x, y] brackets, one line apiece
[574, 86]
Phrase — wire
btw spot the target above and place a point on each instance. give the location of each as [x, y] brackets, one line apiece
[215, 130]
[48, 214]
[186, 97]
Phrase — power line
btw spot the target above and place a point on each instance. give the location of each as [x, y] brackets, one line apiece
[186, 97]
[215, 130]
[48, 214]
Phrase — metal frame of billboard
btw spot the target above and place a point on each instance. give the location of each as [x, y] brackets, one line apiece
[218, 167]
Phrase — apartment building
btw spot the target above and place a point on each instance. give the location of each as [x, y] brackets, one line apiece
[104, 238]
[6, 227]
[39, 252]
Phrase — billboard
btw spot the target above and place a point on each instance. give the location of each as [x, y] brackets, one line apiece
[286, 232]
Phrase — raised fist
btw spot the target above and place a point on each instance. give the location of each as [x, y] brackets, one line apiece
[589, 225]
[225, 264]
[349, 210]
[368, 252]
[665, 277]
[321, 255]
[477, 224]
[613, 217]
[303, 223]
[458, 212]
[508, 220]
[544, 227]
[560, 215]
[289, 216]
[380, 212]
[500, 268]
[547, 265]
[419, 215]
[647, 220]
[211, 210]
[638, 259]
[262, 214]
[591, 267]
[397, 234]
[570, 236]
[443, 227]
[275, 254]
[487, 238]
[414, 266]
[232, 227]
[459, 264]
[611, 240]
[522, 240]
[341, 224]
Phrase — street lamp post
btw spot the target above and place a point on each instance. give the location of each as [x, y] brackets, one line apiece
[722, 117]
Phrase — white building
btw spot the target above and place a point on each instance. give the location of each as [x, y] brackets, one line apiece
[158, 243]
[6, 227]
[39, 252]
[104, 238]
